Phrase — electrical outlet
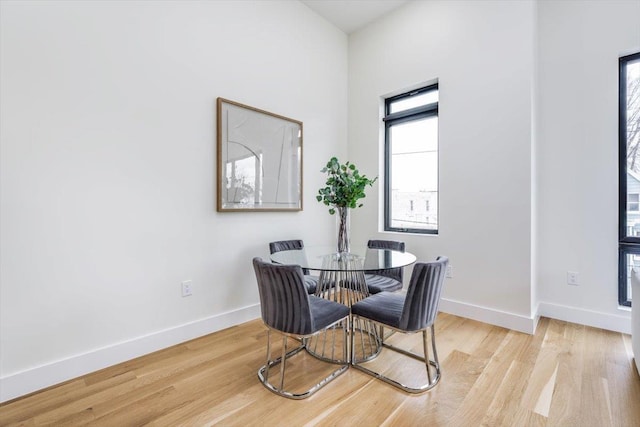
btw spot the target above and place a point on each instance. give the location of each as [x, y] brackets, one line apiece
[186, 288]
[450, 271]
[572, 278]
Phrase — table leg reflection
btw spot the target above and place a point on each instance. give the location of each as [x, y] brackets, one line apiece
[342, 280]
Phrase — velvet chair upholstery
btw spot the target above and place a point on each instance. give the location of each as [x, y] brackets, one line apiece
[288, 309]
[389, 280]
[311, 282]
[414, 312]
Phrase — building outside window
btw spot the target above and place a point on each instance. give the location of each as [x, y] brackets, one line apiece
[629, 179]
[633, 201]
[411, 161]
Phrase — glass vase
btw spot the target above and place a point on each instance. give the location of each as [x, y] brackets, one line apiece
[343, 223]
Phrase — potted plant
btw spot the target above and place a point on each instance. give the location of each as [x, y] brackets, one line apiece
[344, 187]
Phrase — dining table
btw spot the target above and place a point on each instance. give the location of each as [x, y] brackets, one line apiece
[343, 278]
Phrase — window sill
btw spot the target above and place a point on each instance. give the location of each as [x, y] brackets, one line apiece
[405, 233]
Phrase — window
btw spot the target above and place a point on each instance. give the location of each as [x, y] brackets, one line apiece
[629, 169]
[633, 202]
[411, 161]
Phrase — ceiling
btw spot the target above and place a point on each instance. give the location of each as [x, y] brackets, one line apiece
[351, 15]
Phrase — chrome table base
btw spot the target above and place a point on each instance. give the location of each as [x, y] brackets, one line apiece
[342, 280]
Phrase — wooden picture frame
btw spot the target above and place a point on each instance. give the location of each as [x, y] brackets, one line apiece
[259, 159]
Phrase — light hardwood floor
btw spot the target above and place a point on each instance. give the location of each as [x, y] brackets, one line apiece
[564, 375]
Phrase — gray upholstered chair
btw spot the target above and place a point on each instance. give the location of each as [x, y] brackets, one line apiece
[287, 308]
[311, 282]
[414, 312]
[389, 280]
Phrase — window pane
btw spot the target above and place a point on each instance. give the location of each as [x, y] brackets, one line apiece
[413, 174]
[632, 261]
[633, 202]
[629, 244]
[633, 145]
[414, 101]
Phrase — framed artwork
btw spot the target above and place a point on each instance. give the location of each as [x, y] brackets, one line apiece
[259, 159]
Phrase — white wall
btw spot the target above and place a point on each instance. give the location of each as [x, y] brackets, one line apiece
[528, 148]
[579, 44]
[482, 55]
[108, 170]
[107, 151]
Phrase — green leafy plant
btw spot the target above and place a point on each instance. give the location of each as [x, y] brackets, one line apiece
[344, 186]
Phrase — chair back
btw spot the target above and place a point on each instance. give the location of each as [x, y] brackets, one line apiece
[285, 245]
[423, 296]
[394, 273]
[284, 301]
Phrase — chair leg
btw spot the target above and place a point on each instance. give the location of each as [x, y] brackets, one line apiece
[266, 371]
[352, 329]
[284, 361]
[435, 351]
[345, 338]
[263, 372]
[334, 334]
[373, 336]
[364, 350]
[353, 340]
[432, 380]
[425, 348]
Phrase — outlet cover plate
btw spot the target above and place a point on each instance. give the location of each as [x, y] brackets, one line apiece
[186, 288]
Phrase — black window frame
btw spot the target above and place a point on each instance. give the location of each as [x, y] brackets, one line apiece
[390, 119]
[627, 245]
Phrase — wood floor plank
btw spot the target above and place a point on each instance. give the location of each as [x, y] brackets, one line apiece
[623, 389]
[534, 346]
[13, 413]
[564, 375]
[545, 370]
[504, 409]
[460, 371]
[565, 404]
[370, 405]
[595, 404]
[208, 411]
[475, 405]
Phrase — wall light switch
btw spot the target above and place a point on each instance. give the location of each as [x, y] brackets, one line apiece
[186, 288]
[572, 278]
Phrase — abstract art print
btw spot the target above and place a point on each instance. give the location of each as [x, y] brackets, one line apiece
[259, 159]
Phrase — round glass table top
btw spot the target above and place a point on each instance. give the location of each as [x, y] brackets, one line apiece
[359, 259]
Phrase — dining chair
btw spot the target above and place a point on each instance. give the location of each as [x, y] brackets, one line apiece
[311, 282]
[412, 312]
[389, 280]
[287, 308]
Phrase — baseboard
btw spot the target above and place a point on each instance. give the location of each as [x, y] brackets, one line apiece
[504, 319]
[581, 316]
[28, 381]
